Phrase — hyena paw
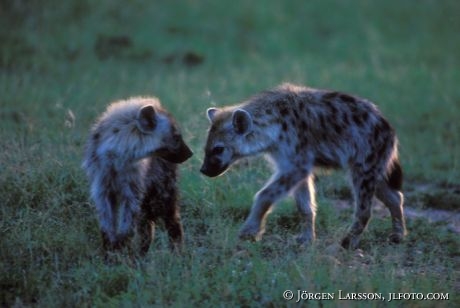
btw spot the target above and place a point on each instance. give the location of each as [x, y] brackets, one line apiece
[396, 238]
[350, 242]
[250, 232]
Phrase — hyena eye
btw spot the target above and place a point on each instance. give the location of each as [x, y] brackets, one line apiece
[217, 150]
[176, 138]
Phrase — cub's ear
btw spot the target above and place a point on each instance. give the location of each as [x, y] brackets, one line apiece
[146, 119]
[242, 121]
[211, 113]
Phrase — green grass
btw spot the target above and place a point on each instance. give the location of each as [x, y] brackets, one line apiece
[58, 58]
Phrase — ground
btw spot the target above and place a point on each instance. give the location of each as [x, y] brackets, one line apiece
[60, 64]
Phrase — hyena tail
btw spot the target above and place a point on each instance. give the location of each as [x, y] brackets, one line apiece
[395, 176]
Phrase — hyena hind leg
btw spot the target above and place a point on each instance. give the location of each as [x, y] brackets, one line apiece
[304, 196]
[364, 189]
[393, 200]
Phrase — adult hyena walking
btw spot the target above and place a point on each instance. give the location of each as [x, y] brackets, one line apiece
[131, 161]
[300, 128]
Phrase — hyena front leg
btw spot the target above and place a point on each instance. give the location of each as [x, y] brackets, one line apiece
[393, 200]
[304, 195]
[145, 229]
[364, 187]
[127, 213]
[105, 202]
[174, 227]
[277, 188]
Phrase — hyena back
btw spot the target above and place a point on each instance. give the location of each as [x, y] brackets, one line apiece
[298, 129]
[131, 160]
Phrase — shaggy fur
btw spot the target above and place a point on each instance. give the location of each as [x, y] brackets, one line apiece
[130, 161]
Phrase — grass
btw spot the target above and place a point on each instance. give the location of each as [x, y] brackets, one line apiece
[61, 63]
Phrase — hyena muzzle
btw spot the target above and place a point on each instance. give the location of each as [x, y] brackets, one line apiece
[299, 129]
[131, 161]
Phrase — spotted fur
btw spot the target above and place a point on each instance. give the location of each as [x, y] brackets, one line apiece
[298, 129]
[131, 162]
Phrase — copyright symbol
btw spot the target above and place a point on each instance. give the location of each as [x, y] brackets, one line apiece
[288, 295]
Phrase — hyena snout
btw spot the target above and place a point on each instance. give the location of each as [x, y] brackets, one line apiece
[212, 167]
[180, 153]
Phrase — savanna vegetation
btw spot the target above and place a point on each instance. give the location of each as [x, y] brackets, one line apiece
[62, 62]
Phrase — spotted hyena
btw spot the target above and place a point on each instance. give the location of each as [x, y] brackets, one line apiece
[131, 160]
[301, 128]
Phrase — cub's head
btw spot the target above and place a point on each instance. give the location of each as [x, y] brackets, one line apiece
[159, 135]
[229, 138]
[133, 129]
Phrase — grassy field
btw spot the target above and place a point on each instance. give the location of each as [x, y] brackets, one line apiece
[62, 62]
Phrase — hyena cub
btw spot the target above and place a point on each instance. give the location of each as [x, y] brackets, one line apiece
[131, 161]
[298, 129]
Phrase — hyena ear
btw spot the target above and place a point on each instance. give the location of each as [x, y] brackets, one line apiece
[211, 113]
[242, 121]
[146, 119]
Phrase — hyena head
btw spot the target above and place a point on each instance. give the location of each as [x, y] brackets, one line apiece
[160, 135]
[227, 139]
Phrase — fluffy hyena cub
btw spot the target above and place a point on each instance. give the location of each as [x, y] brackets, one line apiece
[131, 160]
[299, 129]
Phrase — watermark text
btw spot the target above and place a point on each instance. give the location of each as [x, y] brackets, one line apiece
[302, 295]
